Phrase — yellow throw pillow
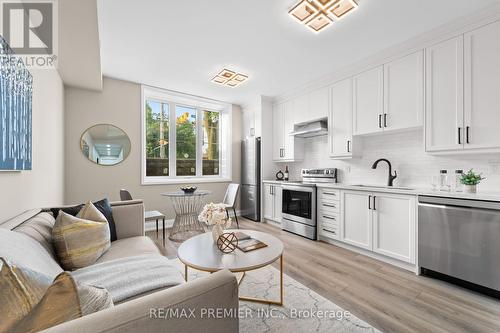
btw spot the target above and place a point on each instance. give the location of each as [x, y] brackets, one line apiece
[31, 302]
[20, 290]
[80, 240]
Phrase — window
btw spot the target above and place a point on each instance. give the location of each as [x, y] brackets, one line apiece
[211, 150]
[157, 114]
[185, 138]
[185, 131]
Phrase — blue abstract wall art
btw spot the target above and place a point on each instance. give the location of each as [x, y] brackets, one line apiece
[16, 91]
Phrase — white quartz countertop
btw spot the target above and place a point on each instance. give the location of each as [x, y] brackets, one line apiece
[481, 195]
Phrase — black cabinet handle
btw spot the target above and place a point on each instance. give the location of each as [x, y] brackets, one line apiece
[374, 202]
[379, 121]
[467, 134]
[370, 202]
[460, 135]
[328, 205]
[348, 146]
[385, 119]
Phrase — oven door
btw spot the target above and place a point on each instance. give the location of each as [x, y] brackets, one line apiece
[299, 204]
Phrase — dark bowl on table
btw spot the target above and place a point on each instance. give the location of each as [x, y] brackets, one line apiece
[189, 189]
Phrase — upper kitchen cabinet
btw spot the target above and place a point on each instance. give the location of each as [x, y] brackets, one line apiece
[340, 120]
[278, 131]
[319, 101]
[312, 106]
[481, 82]
[462, 99]
[390, 97]
[300, 109]
[368, 101]
[404, 92]
[286, 148]
[444, 63]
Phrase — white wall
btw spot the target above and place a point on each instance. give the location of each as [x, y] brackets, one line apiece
[407, 155]
[119, 104]
[43, 185]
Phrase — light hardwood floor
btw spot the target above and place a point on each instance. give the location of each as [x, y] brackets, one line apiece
[389, 298]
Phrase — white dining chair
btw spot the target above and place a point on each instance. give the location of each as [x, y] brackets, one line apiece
[230, 200]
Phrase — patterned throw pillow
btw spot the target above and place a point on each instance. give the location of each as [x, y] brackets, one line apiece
[80, 240]
[104, 207]
[31, 302]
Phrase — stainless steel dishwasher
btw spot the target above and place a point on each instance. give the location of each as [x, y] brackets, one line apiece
[460, 238]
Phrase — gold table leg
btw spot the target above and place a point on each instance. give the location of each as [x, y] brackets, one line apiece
[185, 272]
[262, 300]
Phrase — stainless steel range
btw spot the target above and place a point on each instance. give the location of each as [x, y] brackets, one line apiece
[299, 201]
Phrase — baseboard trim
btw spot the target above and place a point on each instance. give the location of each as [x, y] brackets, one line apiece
[151, 225]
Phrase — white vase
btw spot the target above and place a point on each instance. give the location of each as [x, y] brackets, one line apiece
[470, 188]
[216, 232]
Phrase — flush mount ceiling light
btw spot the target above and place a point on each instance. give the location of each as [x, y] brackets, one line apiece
[229, 78]
[319, 14]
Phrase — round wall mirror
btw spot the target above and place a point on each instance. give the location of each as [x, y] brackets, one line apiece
[105, 144]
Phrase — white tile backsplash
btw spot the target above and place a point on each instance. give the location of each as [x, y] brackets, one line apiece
[407, 154]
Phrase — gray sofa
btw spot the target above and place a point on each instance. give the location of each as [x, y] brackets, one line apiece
[26, 240]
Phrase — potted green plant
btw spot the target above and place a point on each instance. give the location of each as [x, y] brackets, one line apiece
[470, 181]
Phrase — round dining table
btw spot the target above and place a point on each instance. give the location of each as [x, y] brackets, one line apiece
[187, 206]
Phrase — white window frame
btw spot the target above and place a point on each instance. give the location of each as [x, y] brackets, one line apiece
[200, 104]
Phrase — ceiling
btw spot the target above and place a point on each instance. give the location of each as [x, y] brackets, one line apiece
[181, 45]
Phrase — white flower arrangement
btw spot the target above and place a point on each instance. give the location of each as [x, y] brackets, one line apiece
[215, 214]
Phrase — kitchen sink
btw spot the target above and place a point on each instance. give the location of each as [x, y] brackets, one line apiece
[385, 186]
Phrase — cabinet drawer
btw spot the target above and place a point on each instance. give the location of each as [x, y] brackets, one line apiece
[329, 196]
[330, 208]
[329, 218]
[329, 231]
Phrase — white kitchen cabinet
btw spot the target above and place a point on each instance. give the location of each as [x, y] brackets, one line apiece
[268, 202]
[444, 64]
[272, 202]
[462, 100]
[394, 218]
[404, 92]
[368, 101]
[319, 102]
[291, 149]
[278, 131]
[382, 223]
[328, 213]
[481, 82]
[278, 202]
[286, 148]
[340, 120]
[356, 226]
[300, 109]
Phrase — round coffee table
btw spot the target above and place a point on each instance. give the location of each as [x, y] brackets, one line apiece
[200, 253]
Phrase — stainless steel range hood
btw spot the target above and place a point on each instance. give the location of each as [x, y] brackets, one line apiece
[308, 130]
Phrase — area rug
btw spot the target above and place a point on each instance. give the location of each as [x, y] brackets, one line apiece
[303, 311]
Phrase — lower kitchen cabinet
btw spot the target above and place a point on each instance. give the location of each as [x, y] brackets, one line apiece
[328, 213]
[379, 222]
[394, 218]
[356, 219]
[272, 202]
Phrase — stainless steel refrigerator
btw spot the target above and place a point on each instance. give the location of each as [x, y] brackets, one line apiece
[250, 178]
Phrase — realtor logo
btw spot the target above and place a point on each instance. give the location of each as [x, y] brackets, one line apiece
[30, 29]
